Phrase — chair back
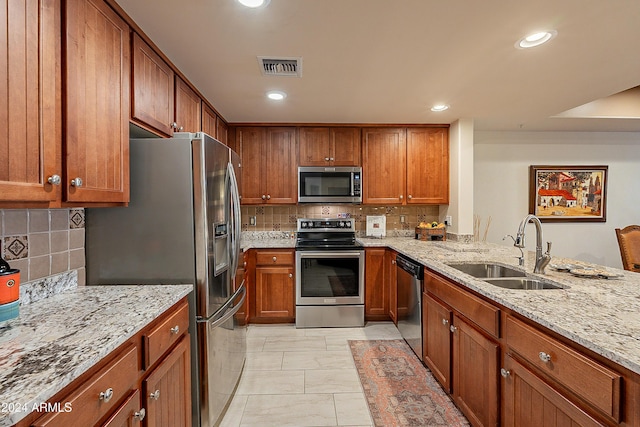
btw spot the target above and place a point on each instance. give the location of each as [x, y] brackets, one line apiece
[629, 242]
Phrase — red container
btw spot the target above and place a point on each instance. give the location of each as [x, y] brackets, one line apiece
[9, 286]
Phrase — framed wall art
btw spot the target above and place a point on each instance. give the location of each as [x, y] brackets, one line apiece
[568, 193]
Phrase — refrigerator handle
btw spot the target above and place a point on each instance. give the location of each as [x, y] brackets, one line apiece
[223, 312]
[236, 219]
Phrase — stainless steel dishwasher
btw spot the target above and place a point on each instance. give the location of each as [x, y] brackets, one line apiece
[410, 275]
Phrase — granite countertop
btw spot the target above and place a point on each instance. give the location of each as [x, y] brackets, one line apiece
[599, 314]
[56, 339]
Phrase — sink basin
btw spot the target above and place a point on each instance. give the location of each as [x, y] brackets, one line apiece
[488, 270]
[524, 283]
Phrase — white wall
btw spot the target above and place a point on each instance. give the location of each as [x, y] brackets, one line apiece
[501, 186]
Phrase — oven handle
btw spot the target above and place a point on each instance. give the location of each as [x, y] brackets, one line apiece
[329, 253]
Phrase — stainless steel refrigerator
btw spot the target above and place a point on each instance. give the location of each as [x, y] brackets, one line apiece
[182, 226]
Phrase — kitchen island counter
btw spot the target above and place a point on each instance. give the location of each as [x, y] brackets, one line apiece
[57, 339]
[599, 314]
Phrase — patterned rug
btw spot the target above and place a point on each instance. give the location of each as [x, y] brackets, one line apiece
[399, 390]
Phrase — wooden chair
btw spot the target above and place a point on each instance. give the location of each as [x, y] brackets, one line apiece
[629, 242]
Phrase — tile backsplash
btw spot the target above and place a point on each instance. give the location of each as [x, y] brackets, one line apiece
[43, 242]
[284, 218]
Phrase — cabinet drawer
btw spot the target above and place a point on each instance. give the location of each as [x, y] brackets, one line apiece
[165, 334]
[591, 381]
[478, 311]
[274, 258]
[113, 383]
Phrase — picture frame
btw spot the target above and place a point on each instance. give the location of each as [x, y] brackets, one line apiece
[568, 193]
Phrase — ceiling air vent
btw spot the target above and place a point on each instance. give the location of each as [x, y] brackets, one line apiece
[280, 66]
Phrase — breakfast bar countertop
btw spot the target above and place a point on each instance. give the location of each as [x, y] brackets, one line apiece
[56, 339]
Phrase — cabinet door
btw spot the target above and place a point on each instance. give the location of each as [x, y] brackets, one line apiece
[475, 374]
[436, 320]
[392, 283]
[209, 118]
[167, 390]
[427, 166]
[188, 108]
[274, 293]
[30, 115]
[345, 146]
[98, 70]
[250, 142]
[531, 402]
[153, 89]
[281, 157]
[376, 294]
[222, 131]
[315, 146]
[129, 414]
[384, 165]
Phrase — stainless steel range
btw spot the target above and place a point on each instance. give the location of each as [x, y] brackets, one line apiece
[329, 274]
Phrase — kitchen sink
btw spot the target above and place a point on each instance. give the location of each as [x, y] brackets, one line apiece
[488, 270]
[525, 283]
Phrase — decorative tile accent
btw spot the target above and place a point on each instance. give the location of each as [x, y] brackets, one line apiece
[326, 210]
[276, 227]
[16, 247]
[293, 219]
[76, 218]
[260, 210]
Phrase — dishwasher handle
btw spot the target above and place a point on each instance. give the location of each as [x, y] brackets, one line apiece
[410, 267]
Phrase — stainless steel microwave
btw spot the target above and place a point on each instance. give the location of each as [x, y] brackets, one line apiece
[329, 184]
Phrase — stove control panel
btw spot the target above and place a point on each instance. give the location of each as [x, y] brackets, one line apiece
[326, 224]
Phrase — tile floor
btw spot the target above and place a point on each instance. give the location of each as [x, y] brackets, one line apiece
[302, 377]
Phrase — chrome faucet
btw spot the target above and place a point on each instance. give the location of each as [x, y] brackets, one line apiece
[541, 259]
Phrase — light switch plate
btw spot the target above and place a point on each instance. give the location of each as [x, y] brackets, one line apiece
[447, 221]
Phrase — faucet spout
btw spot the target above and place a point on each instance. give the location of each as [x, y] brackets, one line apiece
[541, 259]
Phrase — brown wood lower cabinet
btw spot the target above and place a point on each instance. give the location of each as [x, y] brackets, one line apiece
[530, 402]
[436, 352]
[274, 287]
[392, 283]
[376, 294]
[119, 392]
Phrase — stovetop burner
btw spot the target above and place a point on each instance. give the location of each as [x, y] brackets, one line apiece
[326, 233]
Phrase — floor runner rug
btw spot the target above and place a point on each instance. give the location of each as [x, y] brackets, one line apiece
[399, 390]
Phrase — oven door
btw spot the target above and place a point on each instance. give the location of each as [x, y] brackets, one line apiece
[329, 277]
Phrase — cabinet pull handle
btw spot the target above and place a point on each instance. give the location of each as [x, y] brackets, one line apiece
[505, 373]
[326, 159]
[155, 395]
[54, 180]
[106, 395]
[139, 415]
[77, 182]
[175, 330]
[445, 322]
[545, 357]
[453, 329]
[274, 259]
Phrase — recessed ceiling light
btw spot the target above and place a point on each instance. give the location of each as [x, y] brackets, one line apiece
[439, 107]
[276, 95]
[254, 3]
[536, 39]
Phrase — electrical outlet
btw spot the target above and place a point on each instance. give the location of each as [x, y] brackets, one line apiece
[447, 221]
[403, 219]
[252, 220]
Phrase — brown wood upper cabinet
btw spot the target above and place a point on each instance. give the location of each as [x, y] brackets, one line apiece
[269, 158]
[323, 146]
[405, 165]
[30, 140]
[213, 125]
[162, 101]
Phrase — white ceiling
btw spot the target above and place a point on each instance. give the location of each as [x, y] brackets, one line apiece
[389, 61]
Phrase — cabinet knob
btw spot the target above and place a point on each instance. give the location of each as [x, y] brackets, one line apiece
[175, 330]
[505, 373]
[401, 197]
[453, 329]
[290, 275]
[326, 159]
[331, 158]
[445, 322]
[106, 395]
[268, 196]
[155, 395]
[181, 128]
[545, 357]
[264, 197]
[409, 197]
[173, 125]
[139, 415]
[76, 182]
[393, 261]
[54, 180]
[274, 259]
